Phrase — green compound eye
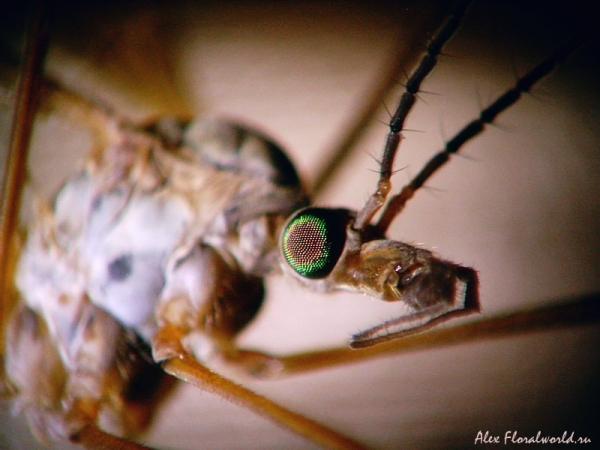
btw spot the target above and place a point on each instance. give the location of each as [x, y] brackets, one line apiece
[313, 241]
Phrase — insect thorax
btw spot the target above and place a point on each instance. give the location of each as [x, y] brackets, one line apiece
[123, 227]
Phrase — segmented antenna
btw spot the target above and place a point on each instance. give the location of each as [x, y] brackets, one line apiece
[475, 127]
[428, 62]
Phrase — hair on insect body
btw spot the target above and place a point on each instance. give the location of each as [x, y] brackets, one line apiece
[445, 197]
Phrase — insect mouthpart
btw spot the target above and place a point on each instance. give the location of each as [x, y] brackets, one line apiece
[435, 291]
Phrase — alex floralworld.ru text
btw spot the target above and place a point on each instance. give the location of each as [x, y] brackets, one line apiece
[511, 437]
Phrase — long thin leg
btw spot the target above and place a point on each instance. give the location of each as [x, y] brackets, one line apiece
[184, 367]
[581, 311]
[475, 127]
[428, 62]
[93, 438]
[14, 180]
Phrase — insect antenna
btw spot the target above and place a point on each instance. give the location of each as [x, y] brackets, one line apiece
[408, 50]
[476, 126]
[413, 85]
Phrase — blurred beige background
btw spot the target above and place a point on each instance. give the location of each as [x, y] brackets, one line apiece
[521, 207]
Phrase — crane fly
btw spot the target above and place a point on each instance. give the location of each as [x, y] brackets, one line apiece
[495, 204]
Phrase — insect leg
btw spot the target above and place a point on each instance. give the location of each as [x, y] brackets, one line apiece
[186, 368]
[14, 179]
[93, 438]
[201, 309]
[567, 313]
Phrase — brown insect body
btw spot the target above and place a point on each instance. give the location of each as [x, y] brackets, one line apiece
[158, 232]
[143, 236]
